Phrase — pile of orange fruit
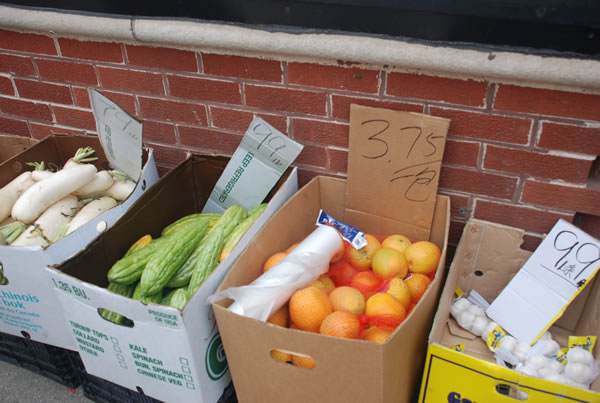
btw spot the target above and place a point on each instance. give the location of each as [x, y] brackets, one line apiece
[365, 294]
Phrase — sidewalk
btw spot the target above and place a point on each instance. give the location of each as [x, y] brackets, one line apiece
[19, 385]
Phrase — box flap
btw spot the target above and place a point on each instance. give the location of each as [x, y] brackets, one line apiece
[120, 135]
[562, 265]
[399, 155]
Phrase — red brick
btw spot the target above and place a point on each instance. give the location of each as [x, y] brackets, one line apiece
[40, 131]
[531, 242]
[464, 153]
[340, 105]
[38, 90]
[477, 182]
[17, 65]
[125, 101]
[547, 102]
[242, 67]
[172, 111]
[320, 132]
[556, 136]
[71, 72]
[484, 126]
[13, 126]
[462, 92]
[460, 205]
[75, 118]
[235, 119]
[582, 200]
[205, 90]
[25, 109]
[158, 131]
[286, 100]
[589, 223]
[90, 50]
[166, 155]
[539, 165]
[161, 58]
[306, 173]
[338, 160]
[6, 86]
[334, 77]
[530, 219]
[31, 43]
[131, 80]
[207, 139]
[313, 155]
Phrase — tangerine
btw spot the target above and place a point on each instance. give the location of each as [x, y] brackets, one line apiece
[377, 334]
[383, 304]
[422, 257]
[341, 324]
[389, 262]
[417, 283]
[273, 260]
[398, 242]
[347, 299]
[308, 307]
[361, 258]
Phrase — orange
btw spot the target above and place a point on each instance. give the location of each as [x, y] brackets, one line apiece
[422, 257]
[389, 262]
[399, 290]
[341, 324]
[347, 299]
[308, 307]
[273, 260]
[377, 334]
[291, 248]
[281, 356]
[417, 283]
[399, 242]
[324, 282]
[361, 258]
[341, 273]
[385, 305]
[303, 361]
[339, 254]
[367, 282]
[280, 317]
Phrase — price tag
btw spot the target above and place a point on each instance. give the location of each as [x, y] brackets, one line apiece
[394, 163]
[120, 135]
[255, 167]
[564, 263]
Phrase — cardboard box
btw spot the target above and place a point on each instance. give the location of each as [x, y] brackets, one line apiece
[28, 304]
[12, 145]
[168, 354]
[487, 258]
[347, 370]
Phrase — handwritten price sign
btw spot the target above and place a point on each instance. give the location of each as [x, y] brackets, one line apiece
[394, 163]
[120, 135]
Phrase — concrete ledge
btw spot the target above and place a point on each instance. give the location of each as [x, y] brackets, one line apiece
[508, 67]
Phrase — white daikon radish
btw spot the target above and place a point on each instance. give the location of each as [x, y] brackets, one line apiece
[41, 195]
[81, 156]
[40, 172]
[122, 186]
[91, 211]
[102, 181]
[46, 229]
[11, 192]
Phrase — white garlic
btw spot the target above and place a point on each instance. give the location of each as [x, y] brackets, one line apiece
[475, 310]
[508, 343]
[465, 319]
[537, 361]
[459, 305]
[520, 351]
[548, 347]
[579, 372]
[479, 324]
[578, 354]
[527, 370]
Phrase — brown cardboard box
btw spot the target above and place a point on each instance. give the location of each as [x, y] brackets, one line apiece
[487, 258]
[12, 145]
[347, 370]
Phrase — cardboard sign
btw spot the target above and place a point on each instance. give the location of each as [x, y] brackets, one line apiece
[120, 135]
[399, 155]
[563, 264]
[261, 158]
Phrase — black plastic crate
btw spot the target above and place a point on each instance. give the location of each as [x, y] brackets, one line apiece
[55, 363]
[102, 391]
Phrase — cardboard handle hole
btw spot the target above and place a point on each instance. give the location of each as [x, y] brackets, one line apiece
[512, 391]
[292, 358]
[115, 317]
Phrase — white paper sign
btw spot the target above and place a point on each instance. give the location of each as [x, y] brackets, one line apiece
[563, 264]
[261, 158]
[120, 135]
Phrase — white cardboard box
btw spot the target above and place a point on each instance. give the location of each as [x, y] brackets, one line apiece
[28, 304]
[168, 354]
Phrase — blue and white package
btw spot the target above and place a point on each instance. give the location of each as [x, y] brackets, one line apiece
[355, 237]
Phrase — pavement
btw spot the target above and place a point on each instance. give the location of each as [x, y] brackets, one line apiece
[20, 385]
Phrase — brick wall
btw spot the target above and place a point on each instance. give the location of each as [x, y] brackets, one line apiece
[515, 155]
